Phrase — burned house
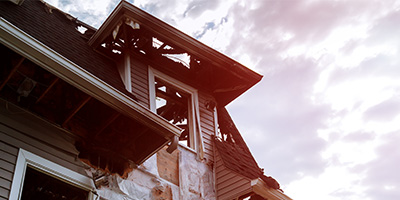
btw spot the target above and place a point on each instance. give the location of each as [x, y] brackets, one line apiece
[132, 110]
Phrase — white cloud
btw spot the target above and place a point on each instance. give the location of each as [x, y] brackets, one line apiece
[335, 183]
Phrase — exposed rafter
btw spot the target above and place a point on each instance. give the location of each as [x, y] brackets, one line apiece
[107, 123]
[74, 111]
[48, 89]
[14, 69]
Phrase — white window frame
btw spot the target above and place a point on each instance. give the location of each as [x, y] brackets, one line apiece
[25, 159]
[193, 110]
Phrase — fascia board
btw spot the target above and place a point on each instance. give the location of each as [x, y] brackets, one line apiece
[34, 50]
[262, 189]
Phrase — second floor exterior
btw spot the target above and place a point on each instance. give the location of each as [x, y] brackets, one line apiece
[132, 110]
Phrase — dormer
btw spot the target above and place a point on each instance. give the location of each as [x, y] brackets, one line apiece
[168, 70]
[131, 32]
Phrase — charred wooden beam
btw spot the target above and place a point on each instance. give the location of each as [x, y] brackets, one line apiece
[74, 111]
[171, 97]
[14, 69]
[48, 89]
[171, 51]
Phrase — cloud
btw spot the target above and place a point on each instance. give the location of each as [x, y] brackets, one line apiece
[198, 7]
[296, 45]
[385, 111]
[382, 173]
[281, 129]
[92, 12]
[357, 137]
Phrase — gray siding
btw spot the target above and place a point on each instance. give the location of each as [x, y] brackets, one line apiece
[140, 82]
[19, 129]
[228, 183]
[207, 126]
[7, 164]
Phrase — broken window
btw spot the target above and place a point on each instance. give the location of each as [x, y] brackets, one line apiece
[173, 105]
[38, 185]
[175, 102]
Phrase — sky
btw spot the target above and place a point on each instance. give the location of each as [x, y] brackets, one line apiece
[325, 119]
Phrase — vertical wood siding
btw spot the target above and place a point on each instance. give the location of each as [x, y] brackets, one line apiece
[140, 82]
[228, 183]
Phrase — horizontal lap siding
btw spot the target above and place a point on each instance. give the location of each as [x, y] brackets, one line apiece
[207, 126]
[41, 148]
[36, 136]
[8, 159]
[228, 183]
[140, 83]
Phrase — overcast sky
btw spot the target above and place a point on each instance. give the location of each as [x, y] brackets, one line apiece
[325, 119]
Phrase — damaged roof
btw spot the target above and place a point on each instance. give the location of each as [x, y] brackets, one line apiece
[211, 71]
[86, 97]
[58, 31]
[235, 153]
[225, 78]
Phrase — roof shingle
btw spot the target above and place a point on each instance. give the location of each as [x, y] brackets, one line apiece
[58, 31]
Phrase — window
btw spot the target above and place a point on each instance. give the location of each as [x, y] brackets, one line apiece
[177, 103]
[38, 178]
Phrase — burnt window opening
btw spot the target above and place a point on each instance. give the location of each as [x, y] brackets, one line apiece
[183, 58]
[81, 29]
[174, 105]
[174, 54]
[38, 185]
